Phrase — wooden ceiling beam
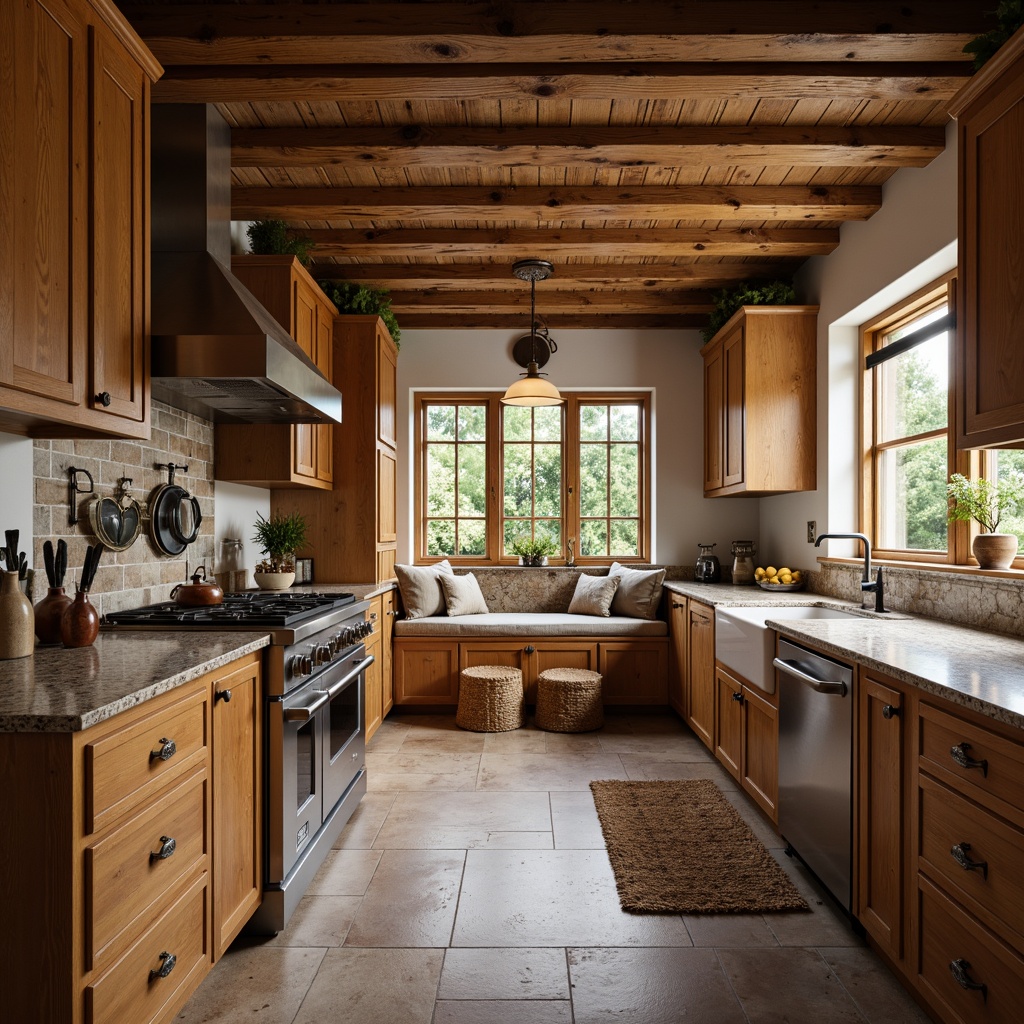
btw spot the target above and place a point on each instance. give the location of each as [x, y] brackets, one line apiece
[339, 83]
[590, 30]
[485, 320]
[563, 146]
[486, 276]
[406, 242]
[550, 303]
[684, 202]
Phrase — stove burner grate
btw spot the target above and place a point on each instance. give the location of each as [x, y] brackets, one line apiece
[256, 608]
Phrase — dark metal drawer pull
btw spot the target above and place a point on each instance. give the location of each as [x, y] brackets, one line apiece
[167, 847]
[224, 695]
[169, 960]
[962, 758]
[890, 711]
[167, 750]
[961, 969]
[738, 697]
[961, 856]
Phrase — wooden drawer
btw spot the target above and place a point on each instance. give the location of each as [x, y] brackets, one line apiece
[124, 767]
[949, 935]
[128, 992]
[997, 782]
[124, 881]
[995, 893]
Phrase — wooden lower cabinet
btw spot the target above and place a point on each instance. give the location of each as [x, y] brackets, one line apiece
[427, 670]
[373, 702]
[700, 689]
[380, 693]
[679, 665]
[882, 811]
[128, 844]
[747, 738]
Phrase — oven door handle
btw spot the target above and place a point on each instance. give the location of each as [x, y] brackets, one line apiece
[303, 713]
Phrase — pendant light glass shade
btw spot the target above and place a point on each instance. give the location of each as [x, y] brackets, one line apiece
[532, 388]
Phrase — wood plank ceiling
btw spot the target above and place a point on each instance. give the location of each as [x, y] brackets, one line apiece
[653, 151]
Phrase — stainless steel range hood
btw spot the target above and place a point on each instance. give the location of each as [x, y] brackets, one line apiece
[215, 350]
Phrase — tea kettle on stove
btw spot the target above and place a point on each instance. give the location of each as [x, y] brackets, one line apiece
[707, 569]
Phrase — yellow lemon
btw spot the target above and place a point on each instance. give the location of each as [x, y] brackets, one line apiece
[786, 577]
[784, 571]
[759, 574]
[797, 576]
[774, 579]
[771, 571]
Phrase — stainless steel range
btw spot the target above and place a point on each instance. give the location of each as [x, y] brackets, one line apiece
[314, 743]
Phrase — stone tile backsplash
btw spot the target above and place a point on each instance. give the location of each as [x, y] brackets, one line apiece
[992, 603]
[141, 574]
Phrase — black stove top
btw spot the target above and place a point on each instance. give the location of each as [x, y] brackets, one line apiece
[251, 608]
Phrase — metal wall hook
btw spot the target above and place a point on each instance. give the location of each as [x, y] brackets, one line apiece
[74, 490]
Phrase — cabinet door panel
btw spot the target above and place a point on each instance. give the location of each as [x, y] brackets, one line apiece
[733, 418]
[117, 342]
[387, 394]
[237, 790]
[44, 199]
[701, 696]
[387, 490]
[880, 814]
[728, 722]
[387, 625]
[761, 751]
[714, 406]
[559, 654]
[635, 672]
[426, 673]
[679, 666]
[374, 690]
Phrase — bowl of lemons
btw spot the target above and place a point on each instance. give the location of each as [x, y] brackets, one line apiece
[770, 578]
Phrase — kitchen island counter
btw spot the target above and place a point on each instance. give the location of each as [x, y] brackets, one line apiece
[60, 689]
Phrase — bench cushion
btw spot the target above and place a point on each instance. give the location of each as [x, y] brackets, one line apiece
[530, 624]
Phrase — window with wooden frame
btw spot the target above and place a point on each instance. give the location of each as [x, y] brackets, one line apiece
[489, 475]
[909, 453]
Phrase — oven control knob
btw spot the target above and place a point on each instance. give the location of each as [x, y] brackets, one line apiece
[349, 636]
[321, 654]
[302, 664]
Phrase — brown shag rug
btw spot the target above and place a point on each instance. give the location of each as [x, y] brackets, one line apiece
[681, 847]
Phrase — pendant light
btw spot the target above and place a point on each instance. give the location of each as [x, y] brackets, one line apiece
[531, 388]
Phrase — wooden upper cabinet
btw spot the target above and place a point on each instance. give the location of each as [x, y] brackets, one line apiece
[989, 376]
[760, 402]
[279, 454]
[74, 215]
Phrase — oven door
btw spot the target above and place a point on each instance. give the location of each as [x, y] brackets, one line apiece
[344, 738]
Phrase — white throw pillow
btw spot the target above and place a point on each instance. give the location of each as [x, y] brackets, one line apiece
[462, 595]
[639, 591]
[420, 586]
[593, 595]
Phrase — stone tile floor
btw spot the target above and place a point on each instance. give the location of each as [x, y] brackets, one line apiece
[472, 886]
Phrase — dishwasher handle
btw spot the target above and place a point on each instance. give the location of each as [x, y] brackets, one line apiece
[819, 685]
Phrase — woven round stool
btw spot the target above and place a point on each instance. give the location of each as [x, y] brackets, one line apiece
[490, 698]
[569, 700]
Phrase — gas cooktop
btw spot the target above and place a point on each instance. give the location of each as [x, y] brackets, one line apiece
[251, 608]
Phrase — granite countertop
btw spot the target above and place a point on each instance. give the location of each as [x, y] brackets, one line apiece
[978, 670]
[64, 690]
[362, 591]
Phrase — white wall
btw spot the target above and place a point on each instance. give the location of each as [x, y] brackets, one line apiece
[666, 361]
[17, 490]
[234, 512]
[909, 242]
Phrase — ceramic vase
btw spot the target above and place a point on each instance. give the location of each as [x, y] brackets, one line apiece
[49, 612]
[995, 550]
[80, 624]
[17, 620]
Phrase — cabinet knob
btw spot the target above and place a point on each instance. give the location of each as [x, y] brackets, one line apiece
[103, 397]
[167, 847]
[166, 750]
[224, 695]
[168, 960]
[960, 754]
[738, 697]
[960, 969]
[530, 649]
[961, 854]
[890, 711]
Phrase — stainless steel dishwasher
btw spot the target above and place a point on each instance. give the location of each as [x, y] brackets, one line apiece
[816, 763]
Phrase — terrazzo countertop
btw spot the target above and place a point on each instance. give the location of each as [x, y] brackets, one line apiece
[978, 670]
[64, 690]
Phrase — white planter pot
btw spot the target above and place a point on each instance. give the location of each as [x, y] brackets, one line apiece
[274, 580]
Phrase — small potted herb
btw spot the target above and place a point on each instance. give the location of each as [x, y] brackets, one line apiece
[361, 299]
[533, 550]
[750, 293]
[272, 238]
[278, 538]
[986, 503]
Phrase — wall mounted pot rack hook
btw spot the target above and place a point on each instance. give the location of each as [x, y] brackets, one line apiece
[74, 490]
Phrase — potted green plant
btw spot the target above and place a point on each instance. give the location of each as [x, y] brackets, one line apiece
[533, 550]
[986, 502]
[749, 293]
[278, 537]
[361, 299]
[272, 238]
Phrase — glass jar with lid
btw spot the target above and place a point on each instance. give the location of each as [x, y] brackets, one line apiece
[743, 552]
